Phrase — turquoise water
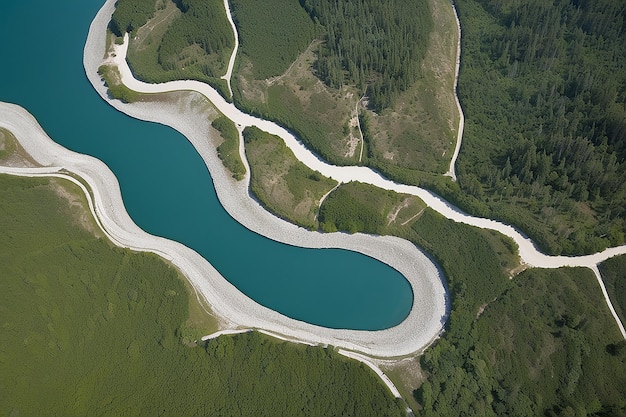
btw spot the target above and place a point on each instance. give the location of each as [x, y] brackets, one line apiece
[42, 71]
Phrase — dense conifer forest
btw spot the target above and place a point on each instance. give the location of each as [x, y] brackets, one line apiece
[374, 45]
[202, 23]
[130, 15]
[271, 33]
[542, 88]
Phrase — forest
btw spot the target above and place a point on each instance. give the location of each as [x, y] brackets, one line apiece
[271, 34]
[130, 15]
[228, 150]
[93, 329]
[542, 88]
[542, 343]
[377, 46]
[545, 346]
[174, 42]
[202, 23]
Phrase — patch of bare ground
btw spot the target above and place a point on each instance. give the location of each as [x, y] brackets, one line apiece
[407, 376]
[419, 132]
[163, 16]
[513, 272]
[11, 152]
[406, 211]
[77, 206]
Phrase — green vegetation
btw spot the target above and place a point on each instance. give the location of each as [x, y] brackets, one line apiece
[204, 24]
[88, 328]
[284, 185]
[377, 46]
[178, 43]
[541, 347]
[613, 273]
[274, 80]
[272, 34]
[413, 135]
[488, 257]
[117, 90]
[130, 15]
[541, 343]
[543, 149]
[228, 151]
[357, 207]
[281, 379]
[8, 144]
[541, 88]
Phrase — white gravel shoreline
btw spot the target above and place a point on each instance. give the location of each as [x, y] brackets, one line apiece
[529, 254]
[428, 314]
[427, 317]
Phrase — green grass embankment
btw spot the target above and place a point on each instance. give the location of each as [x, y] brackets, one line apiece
[89, 328]
[117, 90]
[8, 144]
[228, 151]
[284, 185]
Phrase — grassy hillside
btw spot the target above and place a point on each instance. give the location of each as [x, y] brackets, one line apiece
[406, 92]
[88, 328]
[284, 185]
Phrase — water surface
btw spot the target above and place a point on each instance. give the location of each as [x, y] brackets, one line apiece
[42, 71]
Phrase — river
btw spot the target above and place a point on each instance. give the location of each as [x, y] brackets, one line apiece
[43, 72]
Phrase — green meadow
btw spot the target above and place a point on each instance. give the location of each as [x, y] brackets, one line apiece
[87, 328]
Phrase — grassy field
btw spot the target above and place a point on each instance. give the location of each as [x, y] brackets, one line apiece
[88, 328]
[361, 207]
[418, 134]
[283, 184]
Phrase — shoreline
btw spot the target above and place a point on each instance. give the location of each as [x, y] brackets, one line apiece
[528, 252]
[430, 303]
[233, 308]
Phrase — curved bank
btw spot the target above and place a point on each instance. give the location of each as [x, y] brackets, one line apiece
[428, 312]
[529, 253]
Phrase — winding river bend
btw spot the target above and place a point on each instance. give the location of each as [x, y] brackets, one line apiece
[528, 251]
[428, 309]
